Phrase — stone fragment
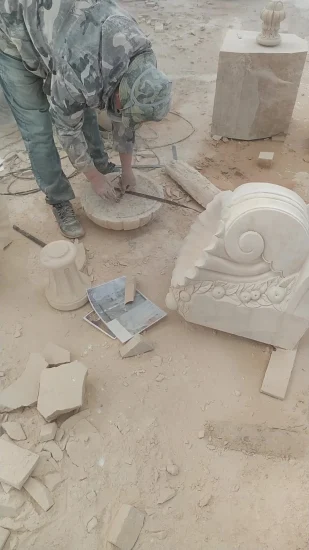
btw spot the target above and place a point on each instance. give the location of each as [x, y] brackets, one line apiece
[91, 496]
[24, 391]
[166, 494]
[92, 524]
[69, 424]
[61, 390]
[278, 373]
[172, 469]
[54, 449]
[39, 493]
[55, 355]
[205, 500]
[4, 535]
[16, 464]
[256, 88]
[216, 137]
[6, 488]
[14, 431]
[48, 432]
[136, 346]
[52, 480]
[201, 434]
[160, 378]
[126, 527]
[11, 503]
[265, 159]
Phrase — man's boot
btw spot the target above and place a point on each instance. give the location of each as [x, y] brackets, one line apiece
[69, 225]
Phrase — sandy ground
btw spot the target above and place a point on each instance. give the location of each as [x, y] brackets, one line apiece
[253, 461]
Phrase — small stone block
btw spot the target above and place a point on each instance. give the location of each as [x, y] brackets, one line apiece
[14, 431]
[278, 373]
[137, 346]
[16, 464]
[159, 27]
[61, 390]
[130, 290]
[4, 535]
[48, 432]
[39, 493]
[11, 503]
[55, 355]
[265, 159]
[126, 527]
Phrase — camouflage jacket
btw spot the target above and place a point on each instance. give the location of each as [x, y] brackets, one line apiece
[81, 48]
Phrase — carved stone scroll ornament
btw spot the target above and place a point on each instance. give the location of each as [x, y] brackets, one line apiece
[244, 267]
[271, 16]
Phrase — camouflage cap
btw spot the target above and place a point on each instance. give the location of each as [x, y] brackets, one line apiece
[144, 92]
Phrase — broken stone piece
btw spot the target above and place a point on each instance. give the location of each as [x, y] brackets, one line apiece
[265, 159]
[48, 432]
[81, 258]
[39, 493]
[55, 355]
[126, 527]
[14, 431]
[61, 390]
[92, 524]
[16, 464]
[4, 535]
[11, 503]
[52, 480]
[172, 469]
[5, 225]
[54, 449]
[205, 500]
[166, 494]
[159, 27]
[24, 391]
[136, 346]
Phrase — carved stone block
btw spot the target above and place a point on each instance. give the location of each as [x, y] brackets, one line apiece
[67, 287]
[256, 86]
[244, 267]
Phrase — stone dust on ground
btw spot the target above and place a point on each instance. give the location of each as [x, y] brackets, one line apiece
[181, 433]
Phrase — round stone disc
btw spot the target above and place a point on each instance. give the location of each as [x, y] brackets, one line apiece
[130, 212]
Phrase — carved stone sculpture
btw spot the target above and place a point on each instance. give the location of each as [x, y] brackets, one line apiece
[271, 16]
[244, 267]
[67, 287]
[5, 225]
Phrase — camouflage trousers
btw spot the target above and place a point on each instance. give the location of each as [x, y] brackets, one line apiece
[24, 93]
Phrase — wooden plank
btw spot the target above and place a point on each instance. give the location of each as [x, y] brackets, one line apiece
[278, 373]
[130, 290]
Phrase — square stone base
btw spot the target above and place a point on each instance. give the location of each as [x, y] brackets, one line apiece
[256, 85]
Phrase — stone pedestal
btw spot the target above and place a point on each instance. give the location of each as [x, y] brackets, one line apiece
[5, 225]
[256, 86]
[67, 287]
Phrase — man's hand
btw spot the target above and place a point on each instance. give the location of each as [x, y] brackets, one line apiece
[127, 180]
[102, 186]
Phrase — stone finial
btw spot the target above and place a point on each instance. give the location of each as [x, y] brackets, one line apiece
[67, 287]
[272, 15]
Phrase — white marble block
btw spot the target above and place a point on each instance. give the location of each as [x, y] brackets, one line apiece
[244, 267]
[256, 85]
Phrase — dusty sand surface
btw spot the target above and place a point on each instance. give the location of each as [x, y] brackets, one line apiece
[251, 468]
